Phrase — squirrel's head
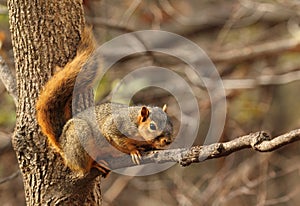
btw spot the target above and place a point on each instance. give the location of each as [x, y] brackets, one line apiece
[155, 126]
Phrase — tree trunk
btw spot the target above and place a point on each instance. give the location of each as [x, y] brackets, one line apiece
[45, 34]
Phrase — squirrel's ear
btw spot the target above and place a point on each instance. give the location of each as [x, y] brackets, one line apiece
[144, 114]
[165, 108]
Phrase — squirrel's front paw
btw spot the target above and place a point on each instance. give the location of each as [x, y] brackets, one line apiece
[135, 156]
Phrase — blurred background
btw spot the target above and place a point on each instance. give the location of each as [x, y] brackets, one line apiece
[255, 47]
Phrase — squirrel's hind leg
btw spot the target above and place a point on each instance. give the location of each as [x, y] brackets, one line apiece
[75, 133]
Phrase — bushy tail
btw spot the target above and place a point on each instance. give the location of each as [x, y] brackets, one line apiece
[54, 105]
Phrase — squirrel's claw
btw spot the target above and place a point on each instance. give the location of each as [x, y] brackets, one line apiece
[103, 167]
[136, 156]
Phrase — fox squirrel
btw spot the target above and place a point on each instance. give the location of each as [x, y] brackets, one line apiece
[119, 124]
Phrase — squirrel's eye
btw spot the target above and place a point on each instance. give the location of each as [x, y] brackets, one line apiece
[152, 126]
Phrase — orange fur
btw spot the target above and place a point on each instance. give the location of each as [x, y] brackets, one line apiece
[51, 116]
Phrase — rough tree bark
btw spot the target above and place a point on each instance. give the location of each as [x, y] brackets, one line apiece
[45, 34]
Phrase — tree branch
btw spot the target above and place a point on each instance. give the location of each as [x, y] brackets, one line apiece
[259, 141]
[262, 80]
[5, 142]
[8, 80]
[109, 23]
[256, 51]
[11, 177]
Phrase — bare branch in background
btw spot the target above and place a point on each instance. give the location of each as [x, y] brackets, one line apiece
[256, 51]
[116, 188]
[246, 83]
[5, 142]
[282, 199]
[263, 80]
[110, 24]
[8, 80]
[128, 13]
[11, 177]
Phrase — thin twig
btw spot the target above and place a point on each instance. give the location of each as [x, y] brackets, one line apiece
[128, 13]
[102, 22]
[8, 80]
[256, 51]
[263, 80]
[246, 83]
[5, 143]
[12, 176]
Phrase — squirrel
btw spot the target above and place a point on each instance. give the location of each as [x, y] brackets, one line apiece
[130, 130]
